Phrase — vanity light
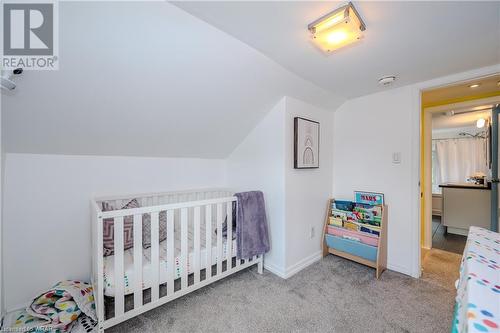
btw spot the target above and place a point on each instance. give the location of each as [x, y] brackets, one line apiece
[480, 122]
[337, 29]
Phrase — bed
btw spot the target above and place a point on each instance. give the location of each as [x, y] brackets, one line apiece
[190, 244]
[477, 306]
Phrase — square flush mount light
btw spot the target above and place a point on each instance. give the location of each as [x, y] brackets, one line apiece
[337, 29]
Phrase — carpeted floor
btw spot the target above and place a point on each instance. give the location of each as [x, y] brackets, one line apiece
[441, 267]
[332, 295]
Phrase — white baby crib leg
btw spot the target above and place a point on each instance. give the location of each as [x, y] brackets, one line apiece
[260, 265]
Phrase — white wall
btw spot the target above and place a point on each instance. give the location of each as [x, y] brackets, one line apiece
[164, 83]
[307, 190]
[258, 164]
[368, 130]
[46, 202]
[2, 169]
[295, 199]
[47, 221]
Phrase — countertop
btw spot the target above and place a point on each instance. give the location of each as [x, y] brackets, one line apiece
[468, 186]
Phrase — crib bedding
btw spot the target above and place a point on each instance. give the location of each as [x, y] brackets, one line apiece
[129, 276]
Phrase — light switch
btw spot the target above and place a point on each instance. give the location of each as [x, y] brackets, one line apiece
[396, 158]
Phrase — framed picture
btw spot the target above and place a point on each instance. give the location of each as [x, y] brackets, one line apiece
[306, 144]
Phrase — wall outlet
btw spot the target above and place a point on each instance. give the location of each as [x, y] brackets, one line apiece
[312, 232]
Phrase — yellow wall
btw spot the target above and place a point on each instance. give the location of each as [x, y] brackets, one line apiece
[422, 177]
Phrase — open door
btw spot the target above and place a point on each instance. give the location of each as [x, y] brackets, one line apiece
[495, 201]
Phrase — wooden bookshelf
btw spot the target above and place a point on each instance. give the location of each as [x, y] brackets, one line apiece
[380, 264]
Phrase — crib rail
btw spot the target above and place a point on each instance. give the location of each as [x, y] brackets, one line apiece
[182, 217]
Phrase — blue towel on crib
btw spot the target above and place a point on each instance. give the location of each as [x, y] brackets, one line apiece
[251, 225]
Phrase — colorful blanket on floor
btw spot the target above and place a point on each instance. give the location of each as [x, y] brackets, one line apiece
[63, 308]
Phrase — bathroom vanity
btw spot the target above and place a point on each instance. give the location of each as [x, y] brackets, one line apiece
[465, 205]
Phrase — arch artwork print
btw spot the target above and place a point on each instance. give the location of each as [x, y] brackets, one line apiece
[306, 143]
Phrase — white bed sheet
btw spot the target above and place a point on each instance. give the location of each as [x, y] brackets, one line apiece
[130, 276]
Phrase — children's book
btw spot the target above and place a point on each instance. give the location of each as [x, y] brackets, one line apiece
[371, 209]
[339, 214]
[351, 226]
[335, 221]
[370, 230]
[343, 205]
[369, 198]
[368, 213]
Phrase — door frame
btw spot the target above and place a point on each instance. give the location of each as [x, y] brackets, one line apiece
[426, 178]
[416, 147]
[494, 167]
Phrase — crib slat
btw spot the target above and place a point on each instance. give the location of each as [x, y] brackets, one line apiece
[219, 239]
[208, 241]
[229, 238]
[155, 257]
[184, 248]
[196, 252]
[137, 261]
[100, 274]
[119, 274]
[170, 252]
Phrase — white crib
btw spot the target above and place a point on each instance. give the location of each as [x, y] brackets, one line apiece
[156, 271]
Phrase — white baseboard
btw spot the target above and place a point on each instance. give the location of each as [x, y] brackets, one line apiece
[297, 267]
[288, 272]
[274, 269]
[285, 273]
[403, 270]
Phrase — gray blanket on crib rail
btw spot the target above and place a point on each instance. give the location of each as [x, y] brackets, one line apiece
[252, 236]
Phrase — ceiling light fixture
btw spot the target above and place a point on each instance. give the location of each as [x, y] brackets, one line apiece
[480, 123]
[475, 85]
[337, 29]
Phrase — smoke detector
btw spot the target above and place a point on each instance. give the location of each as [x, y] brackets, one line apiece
[387, 80]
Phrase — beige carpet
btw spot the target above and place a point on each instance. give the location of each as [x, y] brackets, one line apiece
[441, 267]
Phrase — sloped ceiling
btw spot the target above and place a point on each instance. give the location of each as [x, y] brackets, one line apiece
[414, 40]
[146, 79]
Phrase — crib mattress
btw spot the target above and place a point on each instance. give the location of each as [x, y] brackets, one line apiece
[130, 276]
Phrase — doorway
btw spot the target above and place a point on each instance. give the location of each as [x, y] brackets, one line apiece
[457, 162]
